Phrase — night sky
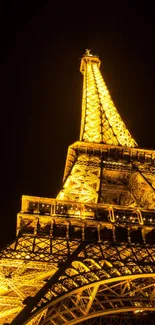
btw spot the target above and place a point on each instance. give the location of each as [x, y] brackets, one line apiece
[41, 90]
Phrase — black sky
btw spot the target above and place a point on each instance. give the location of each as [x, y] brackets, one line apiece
[41, 90]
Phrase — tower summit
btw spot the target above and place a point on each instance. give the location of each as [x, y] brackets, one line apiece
[101, 122]
[88, 255]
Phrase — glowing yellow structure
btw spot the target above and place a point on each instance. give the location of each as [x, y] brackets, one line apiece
[101, 122]
[88, 256]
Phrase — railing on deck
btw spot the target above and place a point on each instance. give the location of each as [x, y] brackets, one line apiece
[100, 212]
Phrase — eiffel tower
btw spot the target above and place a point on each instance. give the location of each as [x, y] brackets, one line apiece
[88, 256]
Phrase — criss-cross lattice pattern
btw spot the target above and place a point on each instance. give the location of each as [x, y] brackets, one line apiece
[42, 249]
[104, 279]
[78, 261]
[121, 320]
[84, 180]
[101, 121]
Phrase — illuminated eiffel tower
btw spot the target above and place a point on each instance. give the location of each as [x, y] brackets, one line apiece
[87, 256]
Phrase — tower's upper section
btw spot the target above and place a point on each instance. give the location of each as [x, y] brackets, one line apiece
[101, 123]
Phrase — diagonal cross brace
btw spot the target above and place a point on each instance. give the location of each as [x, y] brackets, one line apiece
[31, 302]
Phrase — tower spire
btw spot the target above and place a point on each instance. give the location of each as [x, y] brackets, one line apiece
[101, 122]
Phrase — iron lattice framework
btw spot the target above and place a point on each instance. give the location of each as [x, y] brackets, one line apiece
[87, 256]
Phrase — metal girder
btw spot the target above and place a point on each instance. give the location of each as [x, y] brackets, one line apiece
[101, 123]
[103, 279]
[94, 178]
[31, 303]
[18, 279]
[121, 320]
[28, 275]
[76, 260]
[83, 182]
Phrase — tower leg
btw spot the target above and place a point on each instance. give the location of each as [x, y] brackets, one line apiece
[31, 302]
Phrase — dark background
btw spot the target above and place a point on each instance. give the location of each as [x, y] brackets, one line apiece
[41, 89]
